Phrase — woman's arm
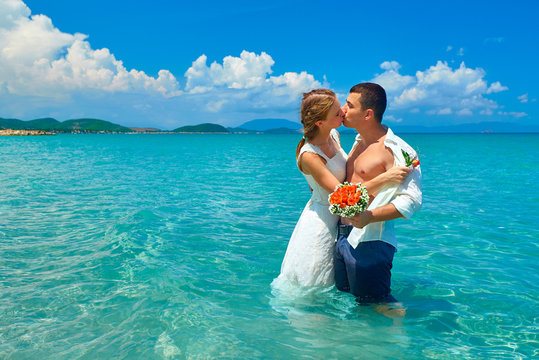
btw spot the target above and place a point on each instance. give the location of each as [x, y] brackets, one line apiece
[395, 175]
[314, 165]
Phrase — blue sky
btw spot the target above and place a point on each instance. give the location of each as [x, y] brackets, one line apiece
[167, 63]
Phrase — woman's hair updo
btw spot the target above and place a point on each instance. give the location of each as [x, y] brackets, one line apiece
[315, 106]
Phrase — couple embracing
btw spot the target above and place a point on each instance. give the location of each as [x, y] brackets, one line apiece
[360, 261]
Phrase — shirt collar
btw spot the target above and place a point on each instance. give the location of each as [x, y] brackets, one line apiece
[391, 138]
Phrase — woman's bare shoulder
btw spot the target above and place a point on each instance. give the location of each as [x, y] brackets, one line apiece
[309, 161]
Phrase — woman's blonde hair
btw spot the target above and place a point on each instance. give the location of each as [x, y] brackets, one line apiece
[315, 106]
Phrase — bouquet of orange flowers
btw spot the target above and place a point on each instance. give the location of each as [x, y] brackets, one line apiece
[348, 200]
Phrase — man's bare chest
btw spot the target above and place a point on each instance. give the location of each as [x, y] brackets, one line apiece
[365, 163]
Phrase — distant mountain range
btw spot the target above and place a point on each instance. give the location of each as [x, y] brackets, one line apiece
[254, 127]
[95, 125]
[202, 128]
[74, 125]
[286, 126]
[269, 126]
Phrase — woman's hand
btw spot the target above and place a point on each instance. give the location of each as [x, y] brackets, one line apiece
[396, 175]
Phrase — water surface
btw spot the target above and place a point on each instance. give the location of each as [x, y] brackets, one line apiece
[164, 246]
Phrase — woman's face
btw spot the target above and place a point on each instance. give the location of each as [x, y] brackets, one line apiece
[335, 116]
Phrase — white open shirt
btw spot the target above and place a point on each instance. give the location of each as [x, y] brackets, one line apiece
[406, 197]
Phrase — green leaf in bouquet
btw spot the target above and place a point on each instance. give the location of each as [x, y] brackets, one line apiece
[407, 158]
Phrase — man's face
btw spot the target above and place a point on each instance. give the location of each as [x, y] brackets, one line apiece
[353, 113]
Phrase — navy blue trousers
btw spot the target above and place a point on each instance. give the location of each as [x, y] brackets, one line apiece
[364, 271]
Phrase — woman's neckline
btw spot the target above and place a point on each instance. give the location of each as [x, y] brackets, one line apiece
[337, 148]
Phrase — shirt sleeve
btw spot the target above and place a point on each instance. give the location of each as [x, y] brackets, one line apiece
[409, 198]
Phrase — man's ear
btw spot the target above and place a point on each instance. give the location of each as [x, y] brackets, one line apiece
[369, 114]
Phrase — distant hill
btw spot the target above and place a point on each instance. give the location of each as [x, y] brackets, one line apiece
[14, 124]
[47, 124]
[37, 124]
[267, 124]
[91, 125]
[205, 128]
[50, 124]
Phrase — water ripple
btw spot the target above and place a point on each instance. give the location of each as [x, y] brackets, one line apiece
[164, 247]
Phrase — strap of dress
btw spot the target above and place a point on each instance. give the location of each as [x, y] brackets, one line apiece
[313, 149]
[335, 136]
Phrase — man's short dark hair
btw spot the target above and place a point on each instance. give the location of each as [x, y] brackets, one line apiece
[373, 96]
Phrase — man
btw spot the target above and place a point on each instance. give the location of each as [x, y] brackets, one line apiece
[366, 243]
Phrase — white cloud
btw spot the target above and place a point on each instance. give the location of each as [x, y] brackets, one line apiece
[449, 48]
[440, 89]
[293, 84]
[216, 105]
[245, 83]
[47, 72]
[412, 95]
[444, 111]
[48, 68]
[247, 71]
[390, 65]
[392, 119]
[523, 98]
[513, 113]
[461, 52]
[496, 87]
[390, 79]
[12, 11]
[38, 59]
[464, 112]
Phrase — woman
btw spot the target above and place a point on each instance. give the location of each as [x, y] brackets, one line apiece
[309, 257]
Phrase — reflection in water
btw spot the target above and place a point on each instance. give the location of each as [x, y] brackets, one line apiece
[325, 318]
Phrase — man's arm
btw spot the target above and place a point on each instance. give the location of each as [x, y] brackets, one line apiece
[407, 201]
[409, 197]
[382, 213]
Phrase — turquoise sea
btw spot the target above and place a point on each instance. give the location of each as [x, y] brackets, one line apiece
[164, 247]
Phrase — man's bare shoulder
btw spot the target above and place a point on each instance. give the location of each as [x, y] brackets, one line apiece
[387, 158]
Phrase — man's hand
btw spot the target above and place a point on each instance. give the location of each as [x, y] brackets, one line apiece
[382, 213]
[362, 219]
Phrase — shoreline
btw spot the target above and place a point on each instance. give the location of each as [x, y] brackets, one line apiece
[10, 132]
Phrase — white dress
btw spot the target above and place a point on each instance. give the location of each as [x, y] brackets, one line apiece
[309, 257]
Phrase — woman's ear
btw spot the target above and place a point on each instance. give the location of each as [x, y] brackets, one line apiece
[318, 123]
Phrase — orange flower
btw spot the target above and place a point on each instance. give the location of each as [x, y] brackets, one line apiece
[346, 195]
[415, 162]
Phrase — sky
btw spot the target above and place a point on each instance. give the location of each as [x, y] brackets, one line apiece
[168, 63]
